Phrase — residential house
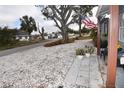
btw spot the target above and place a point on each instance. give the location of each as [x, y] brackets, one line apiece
[113, 27]
[22, 35]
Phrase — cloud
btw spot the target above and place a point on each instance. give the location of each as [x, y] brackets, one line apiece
[10, 15]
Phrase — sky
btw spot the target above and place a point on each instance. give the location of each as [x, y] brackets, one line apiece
[10, 15]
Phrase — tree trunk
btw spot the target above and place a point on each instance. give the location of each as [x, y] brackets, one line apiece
[40, 33]
[43, 35]
[65, 35]
[79, 26]
[29, 36]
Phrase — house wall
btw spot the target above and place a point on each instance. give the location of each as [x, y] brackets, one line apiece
[121, 8]
[104, 29]
[46, 37]
[22, 38]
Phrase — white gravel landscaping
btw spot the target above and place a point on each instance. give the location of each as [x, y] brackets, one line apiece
[38, 67]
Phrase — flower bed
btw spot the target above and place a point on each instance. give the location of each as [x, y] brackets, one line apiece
[58, 42]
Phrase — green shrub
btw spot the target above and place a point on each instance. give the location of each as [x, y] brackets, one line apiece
[7, 36]
[86, 49]
[89, 49]
[80, 51]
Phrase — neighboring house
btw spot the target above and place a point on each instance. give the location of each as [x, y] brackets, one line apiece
[52, 36]
[71, 35]
[36, 37]
[59, 36]
[22, 35]
[46, 37]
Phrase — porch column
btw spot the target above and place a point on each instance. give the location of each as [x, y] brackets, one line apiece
[112, 45]
[98, 38]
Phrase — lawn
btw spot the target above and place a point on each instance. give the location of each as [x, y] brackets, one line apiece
[19, 44]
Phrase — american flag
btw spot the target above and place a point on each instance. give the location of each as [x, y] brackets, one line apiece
[88, 23]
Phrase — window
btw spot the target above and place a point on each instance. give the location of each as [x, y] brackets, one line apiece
[106, 27]
[121, 29]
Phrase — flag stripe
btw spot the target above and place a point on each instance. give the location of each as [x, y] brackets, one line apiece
[88, 23]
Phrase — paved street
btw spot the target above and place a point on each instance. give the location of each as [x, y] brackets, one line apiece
[20, 49]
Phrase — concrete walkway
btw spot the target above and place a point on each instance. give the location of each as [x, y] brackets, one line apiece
[84, 73]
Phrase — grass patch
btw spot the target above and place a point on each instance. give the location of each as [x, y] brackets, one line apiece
[18, 44]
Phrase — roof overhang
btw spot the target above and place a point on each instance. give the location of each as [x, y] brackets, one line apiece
[102, 9]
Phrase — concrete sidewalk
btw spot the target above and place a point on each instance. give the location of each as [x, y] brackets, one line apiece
[84, 73]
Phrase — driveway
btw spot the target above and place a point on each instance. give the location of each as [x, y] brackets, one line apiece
[41, 66]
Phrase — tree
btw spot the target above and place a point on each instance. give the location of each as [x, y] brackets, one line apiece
[39, 30]
[43, 33]
[82, 10]
[7, 36]
[65, 15]
[61, 15]
[28, 24]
